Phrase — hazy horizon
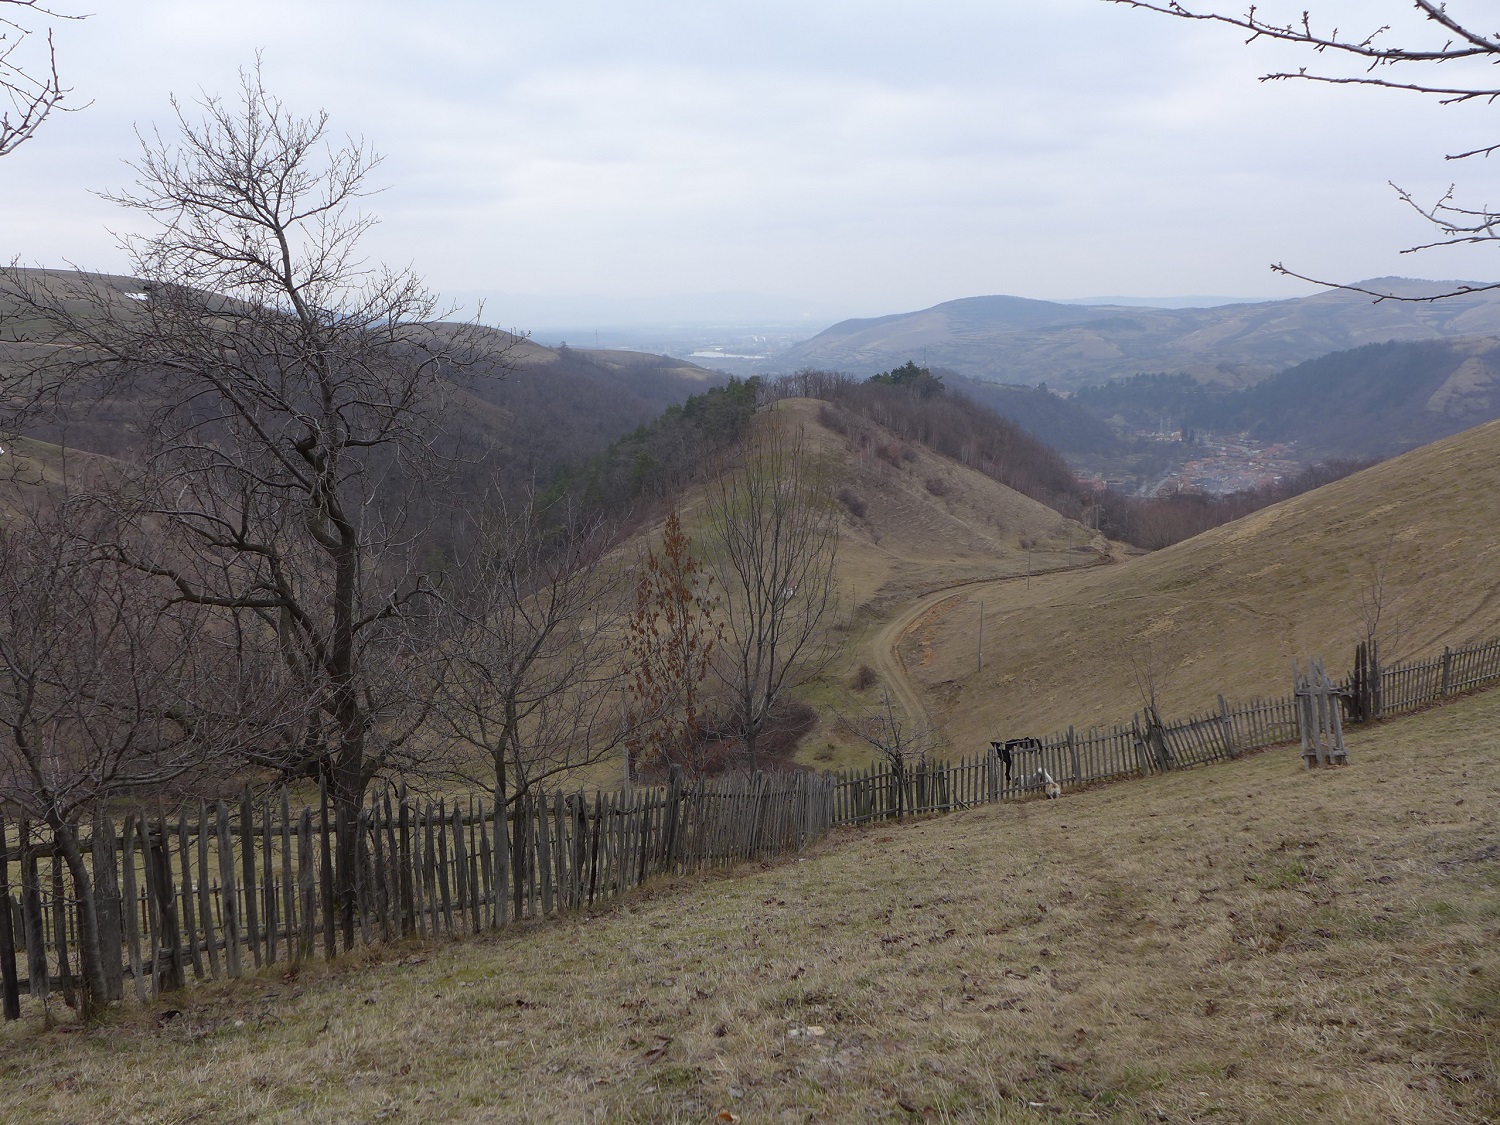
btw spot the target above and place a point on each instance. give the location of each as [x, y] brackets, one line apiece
[586, 164]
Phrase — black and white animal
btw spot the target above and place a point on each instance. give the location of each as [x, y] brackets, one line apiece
[1010, 746]
[1050, 787]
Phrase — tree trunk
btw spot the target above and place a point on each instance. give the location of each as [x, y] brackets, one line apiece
[89, 955]
[349, 786]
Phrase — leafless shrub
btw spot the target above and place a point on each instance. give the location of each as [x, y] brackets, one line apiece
[831, 418]
[865, 678]
[937, 486]
[853, 501]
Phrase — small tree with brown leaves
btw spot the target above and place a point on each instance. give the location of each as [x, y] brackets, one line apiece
[670, 642]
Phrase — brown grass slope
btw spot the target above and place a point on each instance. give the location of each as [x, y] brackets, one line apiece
[914, 520]
[911, 522]
[1229, 610]
[1249, 942]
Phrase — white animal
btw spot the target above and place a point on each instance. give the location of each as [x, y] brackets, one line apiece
[1050, 787]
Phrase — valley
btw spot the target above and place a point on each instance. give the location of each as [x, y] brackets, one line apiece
[695, 708]
[1251, 940]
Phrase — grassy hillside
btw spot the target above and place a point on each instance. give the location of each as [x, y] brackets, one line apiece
[911, 521]
[1249, 943]
[1230, 609]
[1011, 340]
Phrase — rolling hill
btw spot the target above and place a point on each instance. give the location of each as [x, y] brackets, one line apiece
[1372, 401]
[1014, 340]
[553, 407]
[1228, 610]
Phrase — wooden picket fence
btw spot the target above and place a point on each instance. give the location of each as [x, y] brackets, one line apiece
[240, 885]
[226, 888]
[1405, 687]
[1146, 745]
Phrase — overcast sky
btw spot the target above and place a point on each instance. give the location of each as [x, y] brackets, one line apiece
[596, 162]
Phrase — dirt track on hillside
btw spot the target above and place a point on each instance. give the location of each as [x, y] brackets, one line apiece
[886, 657]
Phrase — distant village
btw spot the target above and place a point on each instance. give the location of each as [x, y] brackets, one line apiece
[1220, 465]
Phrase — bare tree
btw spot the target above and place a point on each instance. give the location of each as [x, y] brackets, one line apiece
[772, 538]
[101, 692]
[1378, 61]
[531, 685]
[30, 88]
[899, 745]
[296, 398]
[1378, 600]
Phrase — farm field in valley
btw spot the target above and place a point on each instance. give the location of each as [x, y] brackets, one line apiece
[1246, 942]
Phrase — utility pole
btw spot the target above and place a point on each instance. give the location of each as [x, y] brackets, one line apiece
[981, 636]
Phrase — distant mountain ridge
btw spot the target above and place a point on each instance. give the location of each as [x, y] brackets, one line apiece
[1020, 340]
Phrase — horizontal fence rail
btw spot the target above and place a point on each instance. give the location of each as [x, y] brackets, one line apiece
[225, 888]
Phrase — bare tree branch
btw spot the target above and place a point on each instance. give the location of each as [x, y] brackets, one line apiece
[772, 540]
[30, 88]
[291, 471]
[1374, 51]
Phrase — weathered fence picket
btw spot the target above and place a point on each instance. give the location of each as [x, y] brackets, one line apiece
[427, 870]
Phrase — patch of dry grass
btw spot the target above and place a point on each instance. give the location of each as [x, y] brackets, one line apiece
[1227, 611]
[1248, 942]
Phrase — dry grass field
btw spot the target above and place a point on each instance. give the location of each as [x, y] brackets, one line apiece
[1227, 611]
[1248, 942]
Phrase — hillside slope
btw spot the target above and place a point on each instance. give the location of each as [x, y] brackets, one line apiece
[1228, 610]
[1373, 401]
[914, 520]
[1248, 943]
[1011, 340]
[552, 407]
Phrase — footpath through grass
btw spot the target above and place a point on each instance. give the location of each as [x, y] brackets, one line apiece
[1247, 942]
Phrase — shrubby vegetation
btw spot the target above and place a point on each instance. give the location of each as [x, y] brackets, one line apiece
[656, 461]
[917, 406]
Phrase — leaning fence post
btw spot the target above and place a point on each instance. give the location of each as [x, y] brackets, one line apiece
[247, 871]
[31, 917]
[230, 917]
[10, 985]
[1226, 728]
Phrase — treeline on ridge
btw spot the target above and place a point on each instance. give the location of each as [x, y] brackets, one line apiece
[656, 461]
[1368, 401]
[917, 406]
